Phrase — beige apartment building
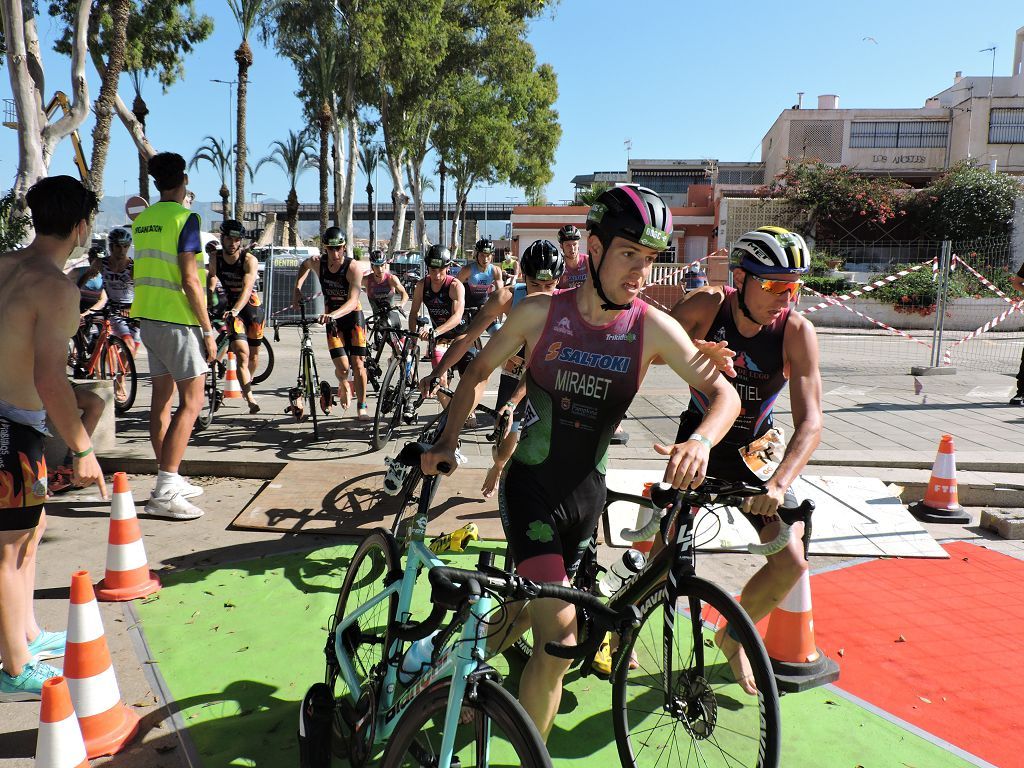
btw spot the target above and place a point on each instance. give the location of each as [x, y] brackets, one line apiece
[977, 117]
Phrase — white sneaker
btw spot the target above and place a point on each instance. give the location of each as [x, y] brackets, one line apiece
[173, 507]
[188, 490]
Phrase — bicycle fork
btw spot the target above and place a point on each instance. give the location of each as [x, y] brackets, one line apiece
[466, 657]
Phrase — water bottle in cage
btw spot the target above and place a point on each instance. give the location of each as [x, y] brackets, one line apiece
[395, 476]
[416, 659]
[631, 563]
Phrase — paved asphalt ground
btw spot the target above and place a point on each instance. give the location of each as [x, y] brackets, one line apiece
[880, 424]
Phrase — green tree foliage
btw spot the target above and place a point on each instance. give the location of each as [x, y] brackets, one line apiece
[968, 202]
[14, 224]
[218, 154]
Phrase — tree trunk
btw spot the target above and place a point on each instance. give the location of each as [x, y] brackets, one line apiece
[369, 214]
[460, 202]
[225, 201]
[416, 188]
[36, 139]
[140, 110]
[442, 217]
[293, 218]
[108, 90]
[399, 203]
[338, 157]
[324, 119]
[244, 58]
[350, 179]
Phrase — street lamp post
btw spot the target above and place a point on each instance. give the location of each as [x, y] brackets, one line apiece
[231, 100]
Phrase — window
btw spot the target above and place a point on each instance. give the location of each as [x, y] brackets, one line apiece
[1006, 126]
[908, 134]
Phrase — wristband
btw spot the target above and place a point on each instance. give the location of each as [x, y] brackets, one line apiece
[82, 454]
[510, 405]
[701, 439]
[208, 333]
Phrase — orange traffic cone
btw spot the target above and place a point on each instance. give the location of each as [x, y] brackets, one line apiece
[232, 389]
[107, 724]
[941, 504]
[128, 575]
[796, 660]
[59, 743]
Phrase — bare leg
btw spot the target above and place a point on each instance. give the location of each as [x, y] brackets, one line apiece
[13, 610]
[341, 371]
[180, 428]
[514, 623]
[765, 590]
[540, 687]
[28, 571]
[501, 457]
[241, 349]
[160, 412]
[359, 376]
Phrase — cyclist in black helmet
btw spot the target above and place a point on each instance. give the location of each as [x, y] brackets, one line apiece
[119, 284]
[480, 276]
[575, 262]
[773, 345]
[236, 270]
[587, 351]
[341, 279]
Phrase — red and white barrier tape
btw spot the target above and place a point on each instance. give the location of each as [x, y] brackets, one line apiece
[1014, 307]
[984, 281]
[837, 300]
[834, 302]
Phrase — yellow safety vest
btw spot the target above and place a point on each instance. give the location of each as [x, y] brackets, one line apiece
[158, 291]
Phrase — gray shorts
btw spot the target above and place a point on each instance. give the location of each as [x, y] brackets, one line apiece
[174, 349]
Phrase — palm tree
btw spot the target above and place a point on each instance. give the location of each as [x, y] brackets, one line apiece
[247, 13]
[370, 156]
[217, 154]
[294, 156]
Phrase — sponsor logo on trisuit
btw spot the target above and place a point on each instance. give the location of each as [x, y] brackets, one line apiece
[614, 363]
[563, 326]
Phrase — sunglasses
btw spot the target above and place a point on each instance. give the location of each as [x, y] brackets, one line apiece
[779, 287]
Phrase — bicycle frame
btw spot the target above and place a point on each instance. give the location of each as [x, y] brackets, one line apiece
[90, 365]
[457, 659]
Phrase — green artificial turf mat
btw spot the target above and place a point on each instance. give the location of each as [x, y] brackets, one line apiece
[239, 645]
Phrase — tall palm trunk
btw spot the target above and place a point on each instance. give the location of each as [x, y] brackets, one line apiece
[324, 120]
[108, 92]
[225, 200]
[350, 178]
[244, 58]
[338, 159]
[441, 213]
[293, 218]
[140, 110]
[369, 214]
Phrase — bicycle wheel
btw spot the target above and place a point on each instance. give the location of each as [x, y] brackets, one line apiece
[366, 641]
[265, 364]
[118, 365]
[708, 720]
[499, 734]
[389, 405]
[410, 499]
[374, 352]
[312, 393]
[205, 417]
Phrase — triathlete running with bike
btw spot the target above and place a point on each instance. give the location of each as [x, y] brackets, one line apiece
[119, 284]
[385, 291]
[236, 271]
[480, 276]
[587, 352]
[575, 262]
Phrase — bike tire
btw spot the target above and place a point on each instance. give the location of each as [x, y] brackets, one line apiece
[410, 500]
[266, 364]
[205, 417]
[367, 641]
[501, 733]
[745, 731]
[117, 360]
[374, 354]
[389, 405]
[312, 393]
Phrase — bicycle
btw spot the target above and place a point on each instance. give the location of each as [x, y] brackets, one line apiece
[399, 396]
[380, 336]
[419, 716]
[308, 387]
[104, 356]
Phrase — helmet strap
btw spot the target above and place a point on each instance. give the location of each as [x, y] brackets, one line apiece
[595, 276]
[743, 304]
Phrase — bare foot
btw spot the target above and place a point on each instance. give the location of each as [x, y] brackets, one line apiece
[491, 480]
[733, 652]
[344, 396]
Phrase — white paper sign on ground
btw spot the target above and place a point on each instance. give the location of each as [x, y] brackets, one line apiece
[854, 516]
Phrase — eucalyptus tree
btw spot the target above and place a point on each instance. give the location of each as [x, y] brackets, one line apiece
[295, 155]
[218, 154]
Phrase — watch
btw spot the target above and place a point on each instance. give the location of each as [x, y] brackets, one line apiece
[701, 439]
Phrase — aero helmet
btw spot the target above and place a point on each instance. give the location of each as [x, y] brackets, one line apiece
[438, 257]
[569, 232]
[377, 257]
[333, 237]
[119, 236]
[485, 245]
[631, 212]
[543, 261]
[232, 228]
[771, 250]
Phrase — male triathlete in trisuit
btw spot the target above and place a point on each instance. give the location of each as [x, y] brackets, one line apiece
[341, 278]
[39, 313]
[236, 271]
[384, 290]
[445, 300]
[772, 344]
[119, 285]
[588, 351]
[542, 265]
[575, 262]
[480, 276]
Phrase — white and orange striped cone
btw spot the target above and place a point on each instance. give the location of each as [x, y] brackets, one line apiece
[107, 723]
[797, 662]
[232, 387]
[59, 742]
[941, 502]
[128, 576]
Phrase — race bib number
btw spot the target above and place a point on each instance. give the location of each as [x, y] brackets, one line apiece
[514, 366]
[530, 416]
[763, 455]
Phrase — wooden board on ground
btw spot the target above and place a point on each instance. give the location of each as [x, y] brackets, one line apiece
[854, 516]
[345, 498]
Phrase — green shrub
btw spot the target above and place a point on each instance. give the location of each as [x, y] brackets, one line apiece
[829, 286]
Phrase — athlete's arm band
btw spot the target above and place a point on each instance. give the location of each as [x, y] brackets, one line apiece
[701, 439]
[82, 454]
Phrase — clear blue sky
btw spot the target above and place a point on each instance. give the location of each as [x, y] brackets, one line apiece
[681, 80]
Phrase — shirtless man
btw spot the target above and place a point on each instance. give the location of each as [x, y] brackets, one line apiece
[39, 313]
